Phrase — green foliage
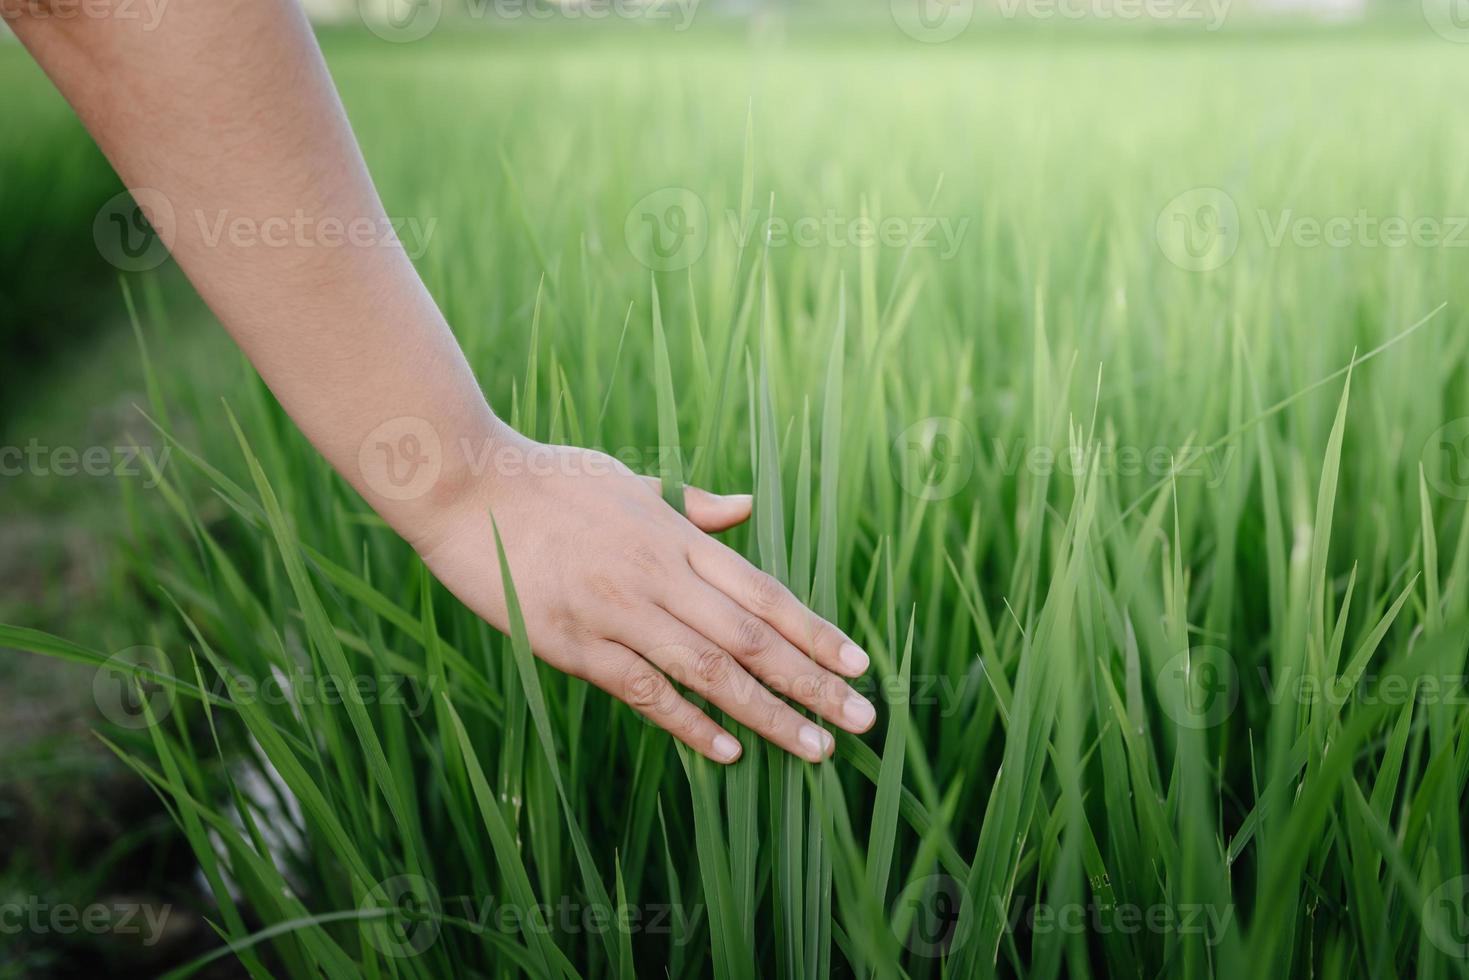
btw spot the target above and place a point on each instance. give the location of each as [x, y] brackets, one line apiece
[1162, 572]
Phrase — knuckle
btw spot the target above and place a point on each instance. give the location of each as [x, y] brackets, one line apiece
[751, 637]
[773, 716]
[831, 689]
[804, 688]
[609, 590]
[766, 593]
[643, 557]
[645, 689]
[713, 666]
[565, 623]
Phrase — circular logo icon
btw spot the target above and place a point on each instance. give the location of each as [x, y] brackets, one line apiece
[1449, 19]
[939, 914]
[1199, 229]
[400, 21]
[933, 458]
[1445, 459]
[409, 920]
[1199, 687]
[402, 458]
[125, 692]
[668, 229]
[1446, 916]
[135, 229]
[932, 21]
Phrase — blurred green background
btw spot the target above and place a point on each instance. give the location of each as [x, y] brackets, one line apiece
[552, 101]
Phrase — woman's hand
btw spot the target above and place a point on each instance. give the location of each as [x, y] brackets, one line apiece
[619, 589]
[226, 111]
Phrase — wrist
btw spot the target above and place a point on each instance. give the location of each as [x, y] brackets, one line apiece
[423, 476]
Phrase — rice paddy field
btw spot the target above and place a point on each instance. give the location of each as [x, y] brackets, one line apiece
[1108, 386]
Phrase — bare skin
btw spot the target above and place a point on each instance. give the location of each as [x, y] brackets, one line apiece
[224, 110]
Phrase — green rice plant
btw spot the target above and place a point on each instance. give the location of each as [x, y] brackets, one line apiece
[1164, 571]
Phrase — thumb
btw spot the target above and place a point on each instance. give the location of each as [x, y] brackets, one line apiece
[711, 511]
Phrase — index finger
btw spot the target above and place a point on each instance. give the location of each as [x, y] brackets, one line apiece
[766, 597]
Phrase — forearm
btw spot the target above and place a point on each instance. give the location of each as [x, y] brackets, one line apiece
[226, 110]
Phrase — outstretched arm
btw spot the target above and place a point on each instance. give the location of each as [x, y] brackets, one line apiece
[225, 112]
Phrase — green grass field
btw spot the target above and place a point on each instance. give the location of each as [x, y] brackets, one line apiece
[1090, 382]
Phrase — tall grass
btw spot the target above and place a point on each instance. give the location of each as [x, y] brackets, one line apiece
[1163, 578]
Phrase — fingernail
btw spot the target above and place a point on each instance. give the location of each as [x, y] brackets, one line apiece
[858, 713]
[726, 748]
[853, 659]
[816, 741]
[738, 498]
